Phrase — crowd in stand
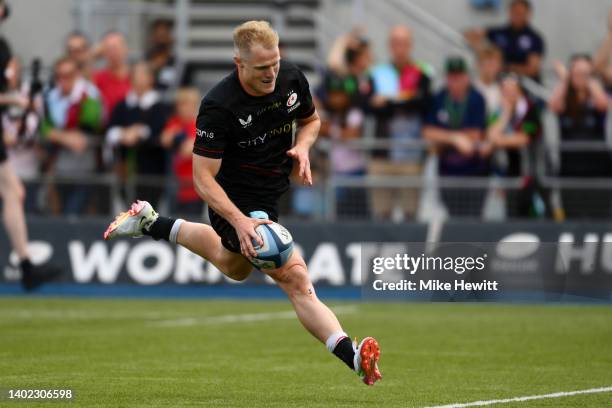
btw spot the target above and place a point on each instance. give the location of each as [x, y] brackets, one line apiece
[103, 115]
[481, 125]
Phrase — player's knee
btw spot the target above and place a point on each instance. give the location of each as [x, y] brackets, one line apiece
[238, 274]
[294, 278]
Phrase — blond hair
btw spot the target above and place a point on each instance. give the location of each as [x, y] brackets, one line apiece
[488, 52]
[252, 33]
[187, 94]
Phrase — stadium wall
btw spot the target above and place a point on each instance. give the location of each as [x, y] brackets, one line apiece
[339, 257]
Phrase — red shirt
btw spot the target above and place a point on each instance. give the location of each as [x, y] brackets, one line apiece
[183, 166]
[113, 89]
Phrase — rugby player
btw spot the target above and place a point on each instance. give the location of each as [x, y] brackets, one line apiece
[12, 194]
[252, 127]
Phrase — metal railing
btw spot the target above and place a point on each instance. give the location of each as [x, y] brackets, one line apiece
[116, 192]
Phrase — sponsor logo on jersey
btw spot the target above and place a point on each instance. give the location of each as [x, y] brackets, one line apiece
[272, 106]
[203, 133]
[246, 122]
[287, 128]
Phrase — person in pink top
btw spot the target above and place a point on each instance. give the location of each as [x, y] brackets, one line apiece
[113, 80]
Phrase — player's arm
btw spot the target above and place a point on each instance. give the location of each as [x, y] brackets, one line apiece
[305, 138]
[204, 171]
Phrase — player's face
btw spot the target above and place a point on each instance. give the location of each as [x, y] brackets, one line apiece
[258, 70]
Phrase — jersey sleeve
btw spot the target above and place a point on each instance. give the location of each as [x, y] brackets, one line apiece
[211, 131]
[307, 107]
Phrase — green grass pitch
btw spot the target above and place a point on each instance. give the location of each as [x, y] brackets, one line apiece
[188, 353]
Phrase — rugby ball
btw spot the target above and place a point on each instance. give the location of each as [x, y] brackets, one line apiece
[276, 249]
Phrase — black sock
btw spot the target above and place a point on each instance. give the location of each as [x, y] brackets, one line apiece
[344, 351]
[26, 268]
[160, 229]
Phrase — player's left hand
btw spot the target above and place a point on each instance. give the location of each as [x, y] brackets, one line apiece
[301, 155]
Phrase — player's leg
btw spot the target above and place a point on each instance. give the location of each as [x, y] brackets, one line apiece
[201, 239]
[293, 279]
[13, 195]
[219, 245]
[322, 323]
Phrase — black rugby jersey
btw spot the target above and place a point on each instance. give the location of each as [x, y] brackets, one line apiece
[252, 134]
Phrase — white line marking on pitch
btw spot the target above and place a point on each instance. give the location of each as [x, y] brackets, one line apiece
[234, 318]
[528, 398]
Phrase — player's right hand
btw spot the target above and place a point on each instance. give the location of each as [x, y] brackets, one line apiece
[245, 229]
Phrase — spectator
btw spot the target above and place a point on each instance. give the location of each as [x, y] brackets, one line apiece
[581, 104]
[402, 90]
[73, 121]
[114, 79]
[160, 54]
[135, 127]
[78, 47]
[487, 83]
[455, 126]
[521, 45]
[179, 135]
[346, 101]
[602, 64]
[513, 133]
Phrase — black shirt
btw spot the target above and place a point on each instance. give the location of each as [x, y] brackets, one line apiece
[516, 45]
[586, 125]
[252, 134]
[149, 155]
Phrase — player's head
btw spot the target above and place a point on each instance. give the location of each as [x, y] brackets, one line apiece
[257, 57]
[519, 13]
[400, 44]
[66, 73]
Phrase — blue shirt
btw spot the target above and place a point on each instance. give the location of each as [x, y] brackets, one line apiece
[468, 114]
